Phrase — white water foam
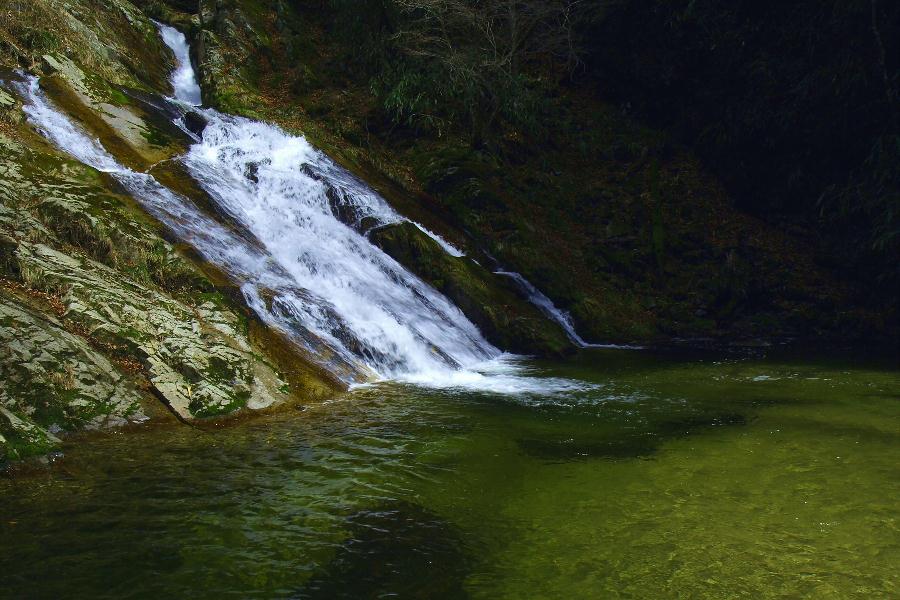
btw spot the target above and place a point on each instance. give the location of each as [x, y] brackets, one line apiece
[357, 296]
[183, 79]
[352, 193]
[502, 375]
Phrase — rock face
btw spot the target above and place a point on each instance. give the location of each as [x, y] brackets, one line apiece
[233, 41]
[113, 41]
[128, 124]
[196, 357]
[228, 44]
[54, 378]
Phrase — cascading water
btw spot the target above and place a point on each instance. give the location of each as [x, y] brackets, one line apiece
[536, 297]
[298, 250]
[184, 80]
[357, 296]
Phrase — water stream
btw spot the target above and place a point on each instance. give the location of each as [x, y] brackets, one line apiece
[552, 312]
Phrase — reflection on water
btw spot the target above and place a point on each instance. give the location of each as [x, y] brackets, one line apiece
[670, 476]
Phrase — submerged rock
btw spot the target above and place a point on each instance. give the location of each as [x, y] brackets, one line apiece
[195, 122]
[569, 450]
[631, 444]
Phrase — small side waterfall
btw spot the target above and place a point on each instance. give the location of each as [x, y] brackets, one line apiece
[296, 247]
[554, 313]
[536, 297]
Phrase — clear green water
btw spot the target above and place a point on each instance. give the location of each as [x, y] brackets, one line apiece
[678, 477]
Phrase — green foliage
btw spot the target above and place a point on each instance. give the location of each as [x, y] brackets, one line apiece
[433, 96]
[657, 230]
[864, 214]
[478, 67]
[365, 28]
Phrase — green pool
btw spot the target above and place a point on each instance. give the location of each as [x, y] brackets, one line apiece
[674, 475]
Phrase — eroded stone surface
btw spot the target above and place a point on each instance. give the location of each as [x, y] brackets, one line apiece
[120, 120]
[192, 363]
[53, 380]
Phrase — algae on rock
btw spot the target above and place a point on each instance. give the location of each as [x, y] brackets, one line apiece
[54, 381]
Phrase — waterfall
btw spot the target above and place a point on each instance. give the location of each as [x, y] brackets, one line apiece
[287, 195]
[295, 244]
[546, 306]
[183, 79]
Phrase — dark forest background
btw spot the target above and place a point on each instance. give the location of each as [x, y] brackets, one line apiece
[792, 103]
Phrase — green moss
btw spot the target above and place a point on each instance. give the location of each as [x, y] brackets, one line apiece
[220, 370]
[78, 228]
[203, 410]
[9, 266]
[20, 439]
[155, 137]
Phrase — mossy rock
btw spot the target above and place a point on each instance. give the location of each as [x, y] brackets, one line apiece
[20, 438]
[129, 125]
[112, 40]
[53, 380]
[615, 317]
